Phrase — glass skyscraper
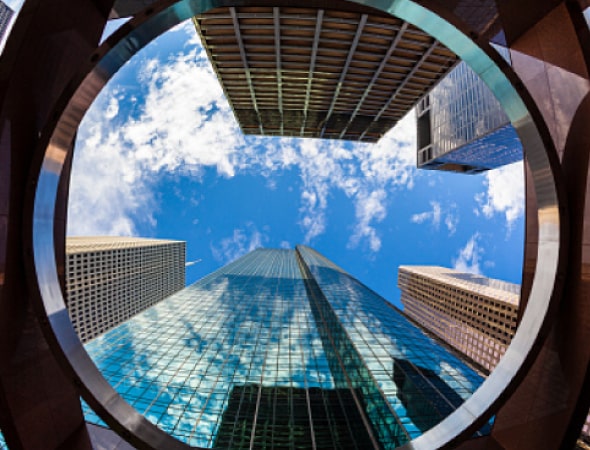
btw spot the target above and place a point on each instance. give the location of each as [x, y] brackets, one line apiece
[282, 349]
[462, 127]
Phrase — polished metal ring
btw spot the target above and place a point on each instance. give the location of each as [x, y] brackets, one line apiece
[155, 20]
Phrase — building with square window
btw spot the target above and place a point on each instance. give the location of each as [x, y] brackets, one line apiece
[6, 15]
[110, 279]
[474, 314]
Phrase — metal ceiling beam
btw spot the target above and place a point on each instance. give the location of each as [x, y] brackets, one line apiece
[314, 53]
[355, 42]
[376, 75]
[317, 62]
[277, 36]
[236, 24]
[403, 83]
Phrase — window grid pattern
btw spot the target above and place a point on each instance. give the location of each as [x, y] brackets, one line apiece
[465, 109]
[247, 324]
[465, 127]
[237, 360]
[357, 73]
[5, 17]
[382, 335]
[111, 279]
[442, 301]
[478, 320]
[497, 148]
[348, 367]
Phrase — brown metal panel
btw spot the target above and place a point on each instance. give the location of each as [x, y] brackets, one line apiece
[39, 407]
[556, 88]
[549, 407]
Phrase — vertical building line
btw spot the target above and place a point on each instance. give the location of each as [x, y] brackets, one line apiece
[315, 297]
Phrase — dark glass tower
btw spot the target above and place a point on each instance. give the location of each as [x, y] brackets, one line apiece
[462, 127]
[282, 349]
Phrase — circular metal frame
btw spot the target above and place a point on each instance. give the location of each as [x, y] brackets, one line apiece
[57, 140]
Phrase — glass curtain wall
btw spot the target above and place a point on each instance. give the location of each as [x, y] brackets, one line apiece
[283, 349]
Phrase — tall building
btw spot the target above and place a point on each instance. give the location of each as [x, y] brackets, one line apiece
[349, 73]
[110, 279]
[474, 314]
[463, 128]
[282, 349]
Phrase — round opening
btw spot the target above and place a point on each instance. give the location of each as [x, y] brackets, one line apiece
[116, 412]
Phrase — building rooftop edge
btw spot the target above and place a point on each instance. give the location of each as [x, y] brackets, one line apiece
[78, 244]
[510, 292]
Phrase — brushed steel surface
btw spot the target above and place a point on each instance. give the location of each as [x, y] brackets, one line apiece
[151, 23]
[551, 260]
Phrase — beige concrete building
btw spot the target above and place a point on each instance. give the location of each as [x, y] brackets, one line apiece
[474, 314]
[110, 279]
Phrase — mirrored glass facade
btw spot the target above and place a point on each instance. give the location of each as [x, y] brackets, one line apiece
[463, 128]
[283, 349]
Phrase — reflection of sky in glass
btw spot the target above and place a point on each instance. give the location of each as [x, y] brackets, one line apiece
[497, 148]
[380, 333]
[2, 443]
[464, 110]
[251, 323]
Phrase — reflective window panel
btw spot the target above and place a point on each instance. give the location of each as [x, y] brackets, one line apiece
[281, 348]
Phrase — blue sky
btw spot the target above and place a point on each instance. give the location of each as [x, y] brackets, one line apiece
[159, 154]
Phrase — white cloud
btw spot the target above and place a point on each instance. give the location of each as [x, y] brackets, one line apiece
[116, 161]
[112, 109]
[366, 173]
[469, 256]
[451, 222]
[432, 216]
[285, 244]
[185, 124]
[504, 193]
[192, 263]
[369, 207]
[105, 191]
[436, 214]
[238, 244]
